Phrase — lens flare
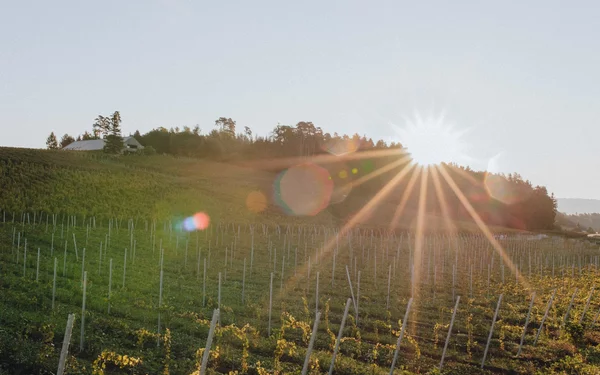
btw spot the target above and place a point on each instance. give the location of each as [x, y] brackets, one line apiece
[499, 188]
[340, 146]
[342, 181]
[432, 140]
[199, 221]
[303, 190]
[256, 201]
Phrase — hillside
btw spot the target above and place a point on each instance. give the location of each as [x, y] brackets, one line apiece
[144, 291]
[164, 186]
[131, 186]
[576, 205]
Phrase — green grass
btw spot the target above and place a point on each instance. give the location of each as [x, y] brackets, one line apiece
[133, 186]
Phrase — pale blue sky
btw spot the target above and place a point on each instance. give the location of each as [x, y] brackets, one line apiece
[523, 78]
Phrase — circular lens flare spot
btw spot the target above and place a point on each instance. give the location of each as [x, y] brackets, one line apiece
[343, 174]
[499, 188]
[354, 170]
[342, 146]
[256, 201]
[367, 166]
[188, 224]
[199, 221]
[303, 190]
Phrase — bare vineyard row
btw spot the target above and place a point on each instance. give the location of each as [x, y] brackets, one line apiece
[453, 289]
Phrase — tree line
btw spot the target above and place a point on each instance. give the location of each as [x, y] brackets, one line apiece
[104, 127]
[531, 207]
[589, 223]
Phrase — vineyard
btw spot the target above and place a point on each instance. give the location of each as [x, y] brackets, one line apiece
[144, 292]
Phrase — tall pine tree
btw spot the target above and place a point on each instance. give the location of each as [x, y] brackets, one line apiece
[113, 143]
[51, 142]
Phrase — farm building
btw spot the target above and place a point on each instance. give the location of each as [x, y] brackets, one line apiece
[130, 144]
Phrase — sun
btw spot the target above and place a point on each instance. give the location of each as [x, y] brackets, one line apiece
[432, 140]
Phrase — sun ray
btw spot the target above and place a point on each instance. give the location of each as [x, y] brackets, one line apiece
[371, 204]
[441, 196]
[405, 195]
[486, 231]
[419, 237]
[465, 175]
[381, 194]
[269, 163]
[419, 241]
[375, 173]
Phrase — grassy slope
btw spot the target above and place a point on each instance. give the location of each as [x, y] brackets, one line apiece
[150, 186]
[160, 187]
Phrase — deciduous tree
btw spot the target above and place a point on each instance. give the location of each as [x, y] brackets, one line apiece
[66, 140]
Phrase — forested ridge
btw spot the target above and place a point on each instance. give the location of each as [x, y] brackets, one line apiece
[503, 200]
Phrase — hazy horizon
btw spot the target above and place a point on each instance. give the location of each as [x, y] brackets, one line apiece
[521, 80]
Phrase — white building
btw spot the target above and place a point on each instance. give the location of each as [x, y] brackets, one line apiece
[130, 144]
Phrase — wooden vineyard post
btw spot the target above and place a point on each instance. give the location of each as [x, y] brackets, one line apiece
[311, 343]
[308, 276]
[75, 244]
[352, 293]
[81, 338]
[37, 268]
[54, 283]
[587, 304]
[211, 333]
[197, 265]
[487, 345]
[25, 259]
[82, 264]
[124, 267]
[339, 337]
[357, 297]
[526, 323]
[65, 345]
[333, 269]
[387, 303]
[204, 285]
[252, 252]
[270, 304]
[537, 336]
[449, 332]
[471, 280]
[395, 359]
[109, 282]
[160, 289]
[219, 300]
[564, 322]
[282, 271]
[244, 281]
[317, 295]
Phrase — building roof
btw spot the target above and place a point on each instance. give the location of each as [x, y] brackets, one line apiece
[98, 144]
[92, 144]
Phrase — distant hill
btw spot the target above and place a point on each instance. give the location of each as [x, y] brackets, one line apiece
[163, 186]
[577, 205]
